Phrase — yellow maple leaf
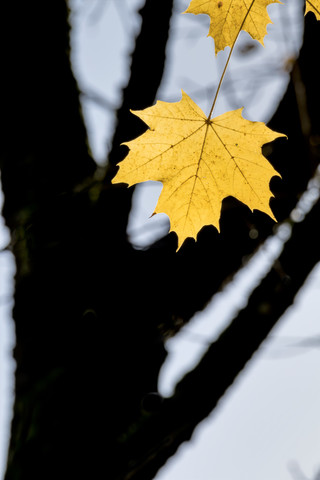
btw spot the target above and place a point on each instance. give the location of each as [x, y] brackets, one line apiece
[229, 17]
[199, 162]
[313, 6]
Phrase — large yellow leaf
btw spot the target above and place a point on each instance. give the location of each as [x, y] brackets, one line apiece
[313, 6]
[229, 17]
[199, 162]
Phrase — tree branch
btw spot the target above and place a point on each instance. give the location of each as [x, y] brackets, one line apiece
[158, 436]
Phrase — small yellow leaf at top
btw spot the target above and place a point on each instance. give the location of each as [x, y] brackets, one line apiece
[313, 6]
[199, 162]
[229, 17]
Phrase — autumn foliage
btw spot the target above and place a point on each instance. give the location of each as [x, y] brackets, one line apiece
[199, 159]
[200, 162]
[92, 313]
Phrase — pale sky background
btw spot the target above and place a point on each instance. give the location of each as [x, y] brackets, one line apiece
[269, 420]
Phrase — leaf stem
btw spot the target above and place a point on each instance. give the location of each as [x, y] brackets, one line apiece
[227, 62]
[221, 79]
